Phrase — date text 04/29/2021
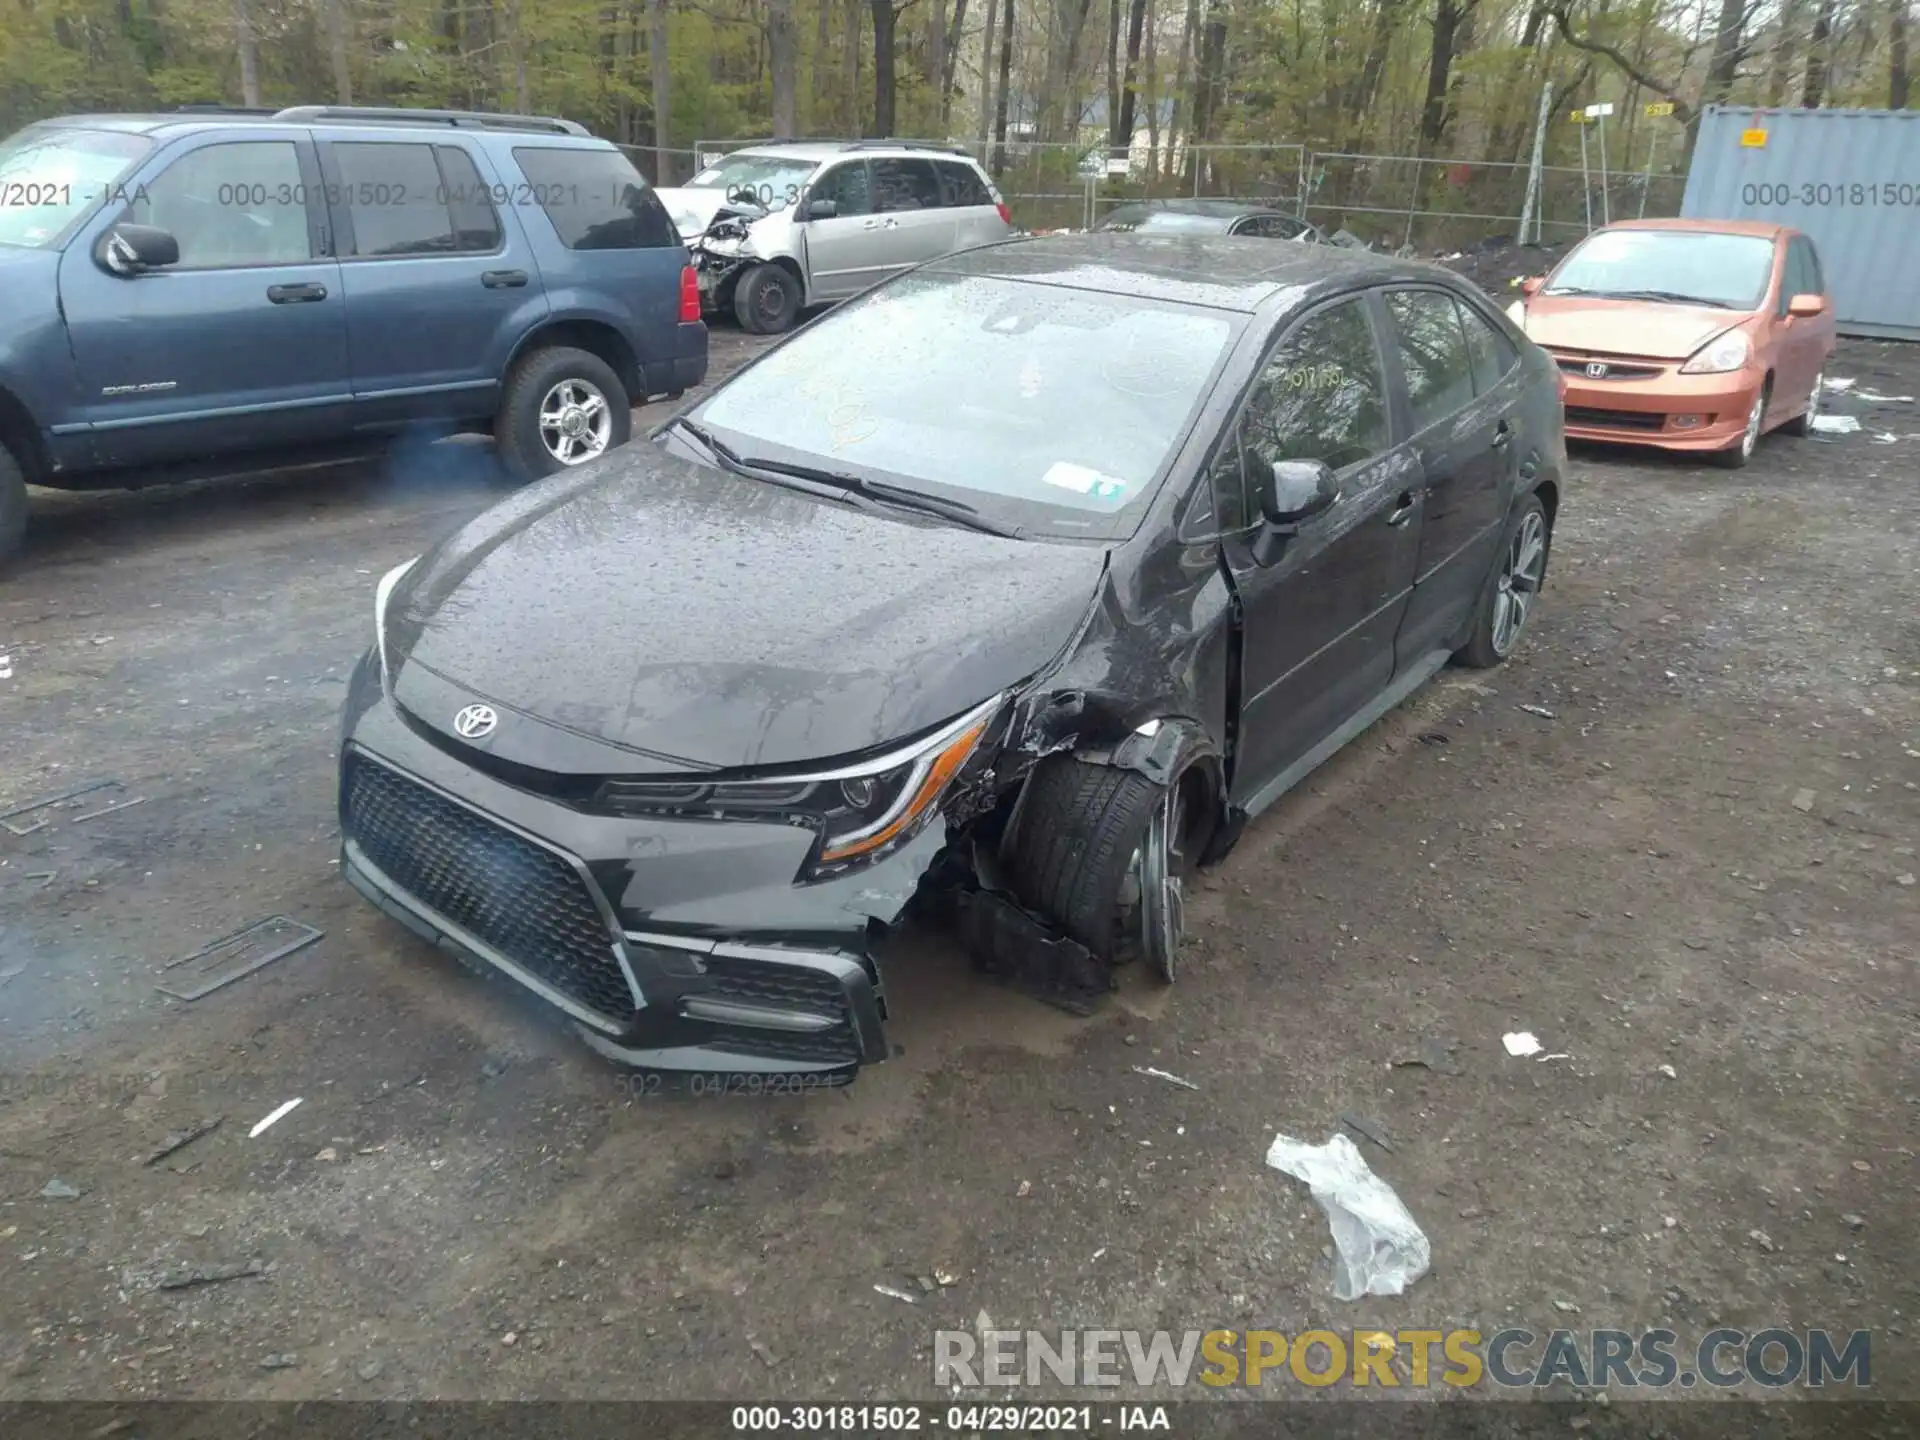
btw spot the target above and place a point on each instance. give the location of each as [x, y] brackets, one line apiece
[960, 1419]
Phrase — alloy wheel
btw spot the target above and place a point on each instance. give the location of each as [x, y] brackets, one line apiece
[1521, 572]
[576, 422]
[1750, 437]
[1154, 892]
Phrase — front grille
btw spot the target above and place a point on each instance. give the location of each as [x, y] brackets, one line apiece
[831, 1047]
[763, 982]
[1616, 369]
[1616, 419]
[518, 897]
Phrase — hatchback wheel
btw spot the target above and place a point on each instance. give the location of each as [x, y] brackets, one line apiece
[562, 408]
[13, 504]
[1106, 853]
[1741, 451]
[1513, 589]
[1802, 424]
[766, 300]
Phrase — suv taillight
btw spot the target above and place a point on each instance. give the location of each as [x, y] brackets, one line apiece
[1006, 215]
[689, 295]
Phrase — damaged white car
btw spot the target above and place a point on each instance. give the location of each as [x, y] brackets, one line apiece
[783, 225]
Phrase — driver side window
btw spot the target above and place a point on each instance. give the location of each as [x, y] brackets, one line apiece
[846, 185]
[230, 204]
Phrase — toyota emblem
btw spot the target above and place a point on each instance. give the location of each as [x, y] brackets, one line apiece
[1596, 370]
[475, 722]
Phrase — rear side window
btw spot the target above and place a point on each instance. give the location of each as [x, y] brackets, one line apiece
[1433, 353]
[961, 184]
[1271, 227]
[595, 199]
[905, 184]
[395, 197]
[1491, 354]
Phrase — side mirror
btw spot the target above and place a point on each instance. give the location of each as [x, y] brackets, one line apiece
[1531, 285]
[822, 209]
[1807, 306]
[130, 249]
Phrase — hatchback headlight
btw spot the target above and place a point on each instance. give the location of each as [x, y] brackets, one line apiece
[1728, 351]
[381, 594]
[861, 812]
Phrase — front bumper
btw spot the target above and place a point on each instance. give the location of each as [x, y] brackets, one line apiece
[672, 945]
[1656, 409]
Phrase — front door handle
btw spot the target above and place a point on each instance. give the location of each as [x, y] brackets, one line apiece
[871, 225]
[296, 294]
[504, 279]
[1403, 508]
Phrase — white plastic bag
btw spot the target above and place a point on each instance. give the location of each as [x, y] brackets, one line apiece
[1379, 1248]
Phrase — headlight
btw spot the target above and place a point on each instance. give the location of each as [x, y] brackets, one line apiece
[861, 812]
[381, 594]
[1517, 313]
[1721, 354]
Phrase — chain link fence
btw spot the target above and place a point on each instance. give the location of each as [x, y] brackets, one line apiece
[1389, 201]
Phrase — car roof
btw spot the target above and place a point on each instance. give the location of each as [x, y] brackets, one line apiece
[1765, 229]
[1219, 209]
[1222, 271]
[814, 151]
[193, 120]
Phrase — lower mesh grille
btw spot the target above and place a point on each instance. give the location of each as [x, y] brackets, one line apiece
[832, 1047]
[518, 897]
[1615, 419]
[765, 983]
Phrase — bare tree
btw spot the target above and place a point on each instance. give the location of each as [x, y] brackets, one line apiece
[249, 48]
[1780, 65]
[986, 76]
[950, 62]
[1115, 147]
[1819, 56]
[1452, 33]
[886, 25]
[1897, 83]
[336, 18]
[783, 65]
[660, 80]
[1006, 83]
[856, 21]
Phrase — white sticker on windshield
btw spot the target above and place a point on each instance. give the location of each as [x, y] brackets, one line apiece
[1084, 480]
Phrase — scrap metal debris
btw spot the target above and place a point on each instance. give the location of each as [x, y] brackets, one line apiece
[893, 1294]
[1158, 1074]
[1541, 711]
[180, 1139]
[1379, 1248]
[209, 1275]
[95, 815]
[7, 817]
[1521, 1043]
[1367, 1130]
[58, 1189]
[1834, 424]
[273, 1119]
[223, 961]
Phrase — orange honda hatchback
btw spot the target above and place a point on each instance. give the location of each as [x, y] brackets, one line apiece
[1685, 334]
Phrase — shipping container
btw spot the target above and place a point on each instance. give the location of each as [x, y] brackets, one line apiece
[1848, 178]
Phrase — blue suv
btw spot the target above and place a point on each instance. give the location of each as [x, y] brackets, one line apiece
[214, 291]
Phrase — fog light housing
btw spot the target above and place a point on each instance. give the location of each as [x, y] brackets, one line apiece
[1688, 422]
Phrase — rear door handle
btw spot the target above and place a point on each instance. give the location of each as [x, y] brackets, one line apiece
[296, 294]
[504, 279]
[871, 225]
[1503, 435]
[1403, 508]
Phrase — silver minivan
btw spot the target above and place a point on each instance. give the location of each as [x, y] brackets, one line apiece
[781, 225]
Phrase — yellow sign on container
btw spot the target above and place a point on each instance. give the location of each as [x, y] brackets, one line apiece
[1753, 139]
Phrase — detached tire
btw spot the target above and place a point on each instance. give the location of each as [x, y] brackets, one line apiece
[1071, 849]
[766, 300]
[548, 408]
[13, 506]
[1513, 589]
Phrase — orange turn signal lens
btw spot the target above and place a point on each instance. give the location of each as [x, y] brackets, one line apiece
[938, 769]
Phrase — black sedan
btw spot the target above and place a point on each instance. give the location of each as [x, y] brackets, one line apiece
[1019, 583]
[1210, 217]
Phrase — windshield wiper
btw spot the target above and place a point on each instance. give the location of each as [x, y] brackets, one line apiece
[958, 511]
[1670, 295]
[754, 467]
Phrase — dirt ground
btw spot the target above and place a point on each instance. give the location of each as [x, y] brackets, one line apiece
[1692, 879]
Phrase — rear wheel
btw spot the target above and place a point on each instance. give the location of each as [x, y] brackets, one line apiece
[13, 505]
[1802, 424]
[562, 408]
[1106, 853]
[1513, 589]
[766, 300]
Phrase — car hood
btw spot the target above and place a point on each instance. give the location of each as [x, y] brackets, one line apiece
[655, 616]
[1625, 327]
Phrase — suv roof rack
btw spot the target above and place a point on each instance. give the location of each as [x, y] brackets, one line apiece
[937, 145]
[216, 109]
[461, 119]
[845, 144]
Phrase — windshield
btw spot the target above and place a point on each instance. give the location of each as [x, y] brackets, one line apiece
[1729, 270]
[1143, 218]
[52, 176]
[1043, 408]
[770, 180]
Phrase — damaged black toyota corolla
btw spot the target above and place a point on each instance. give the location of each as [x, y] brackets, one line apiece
[1020, 582]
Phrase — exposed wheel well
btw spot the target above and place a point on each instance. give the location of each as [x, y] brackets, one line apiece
[596, 339]
[21, 436]
[1549, 494]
